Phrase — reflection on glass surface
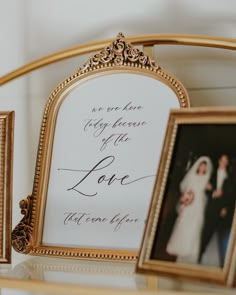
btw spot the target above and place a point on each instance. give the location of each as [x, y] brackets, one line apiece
[177, 285]
[95, 274]
[81, 272]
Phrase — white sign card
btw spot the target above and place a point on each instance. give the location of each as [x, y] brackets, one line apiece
[106, 151]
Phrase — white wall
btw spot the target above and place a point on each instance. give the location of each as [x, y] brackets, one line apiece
[13, 96]
[30, 29]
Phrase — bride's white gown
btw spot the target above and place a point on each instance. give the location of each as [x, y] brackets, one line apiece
[186, 234]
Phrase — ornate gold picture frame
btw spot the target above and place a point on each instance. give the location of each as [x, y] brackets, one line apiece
[6, 165]
[191, 228]
[99, 149]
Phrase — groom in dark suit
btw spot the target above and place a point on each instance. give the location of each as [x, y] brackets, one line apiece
[217, 216]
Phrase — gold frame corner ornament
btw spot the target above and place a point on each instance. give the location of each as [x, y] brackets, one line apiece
[119, 56]
[22, 233]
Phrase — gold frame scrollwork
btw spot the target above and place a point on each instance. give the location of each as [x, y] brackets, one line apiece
[118, 56]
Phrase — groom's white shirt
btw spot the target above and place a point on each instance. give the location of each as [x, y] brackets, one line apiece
[221, 176]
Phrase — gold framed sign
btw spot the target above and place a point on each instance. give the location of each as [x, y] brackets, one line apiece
[6, 163]
[99, 147]
[191, 228]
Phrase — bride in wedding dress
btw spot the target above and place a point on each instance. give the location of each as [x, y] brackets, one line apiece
[185, 238]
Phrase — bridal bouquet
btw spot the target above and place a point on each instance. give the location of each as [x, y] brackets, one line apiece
[187, 198]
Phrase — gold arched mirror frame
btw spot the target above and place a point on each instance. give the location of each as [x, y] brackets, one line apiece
[110, 115]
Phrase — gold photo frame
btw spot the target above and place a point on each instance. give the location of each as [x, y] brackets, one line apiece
[191, 227]
[100, 118]
[6, 166]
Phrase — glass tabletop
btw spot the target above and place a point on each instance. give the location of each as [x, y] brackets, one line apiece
[42, 275]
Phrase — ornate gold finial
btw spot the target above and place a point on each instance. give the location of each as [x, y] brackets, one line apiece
[119, 53]
[120, 36]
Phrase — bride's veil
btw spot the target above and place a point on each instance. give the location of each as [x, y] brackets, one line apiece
[193, 171]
